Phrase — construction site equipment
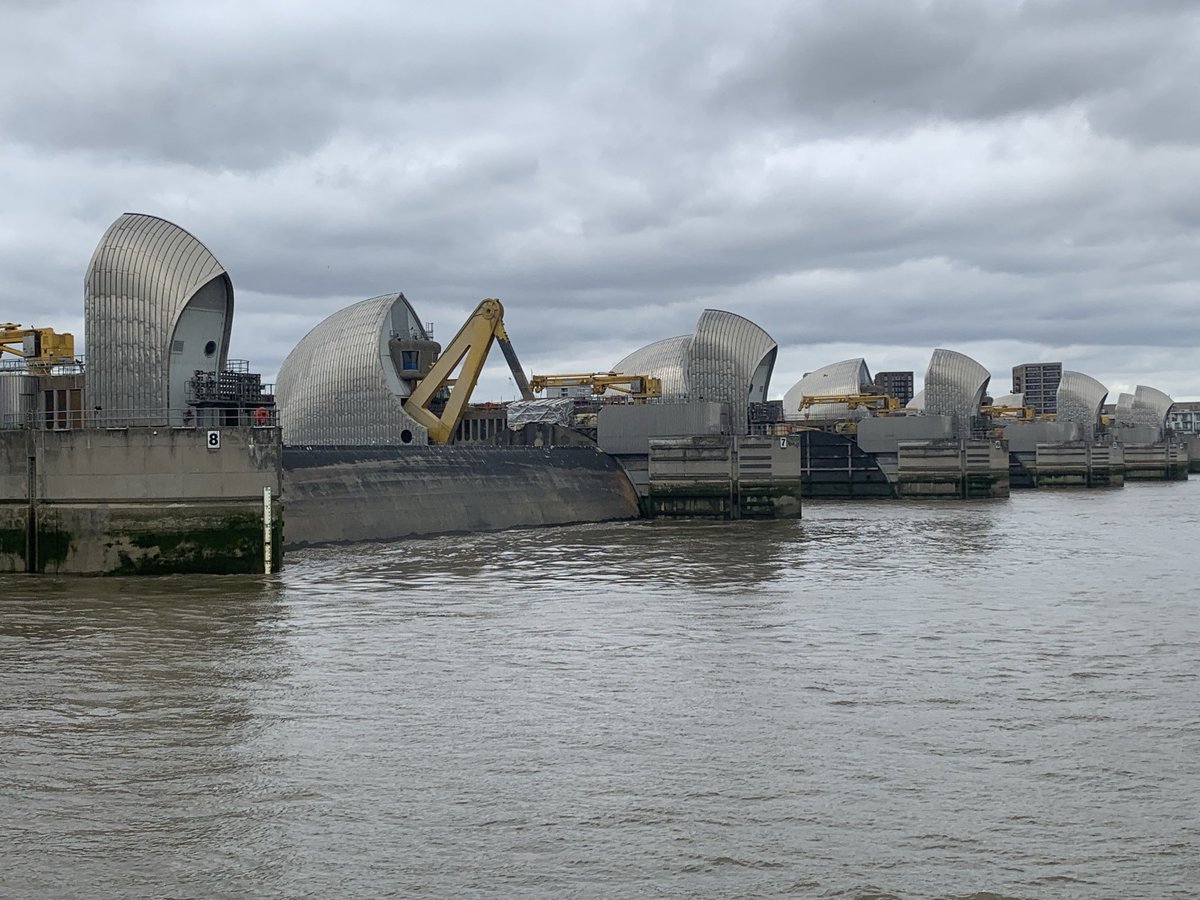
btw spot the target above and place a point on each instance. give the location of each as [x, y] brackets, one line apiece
[469, 347]
[1021, 413]
[874, 402]
[638, 387]
[41, 348]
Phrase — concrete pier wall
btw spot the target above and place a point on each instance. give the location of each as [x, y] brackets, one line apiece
[1158, 461]
[951, 469]
[725, 477]
[1191, 443]
[137, 500]
[346, 494]
[1067, 464]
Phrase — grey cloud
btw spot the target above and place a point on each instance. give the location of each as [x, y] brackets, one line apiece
[892, 64]
[896, 174]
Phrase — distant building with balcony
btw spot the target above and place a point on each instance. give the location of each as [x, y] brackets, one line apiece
[1184, 417]
[1038, 384]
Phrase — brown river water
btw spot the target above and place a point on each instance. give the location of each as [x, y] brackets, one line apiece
[985, 700]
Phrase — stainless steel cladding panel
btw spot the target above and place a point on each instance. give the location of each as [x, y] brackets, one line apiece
[917, 402]
[730, 357]
[140, 279]
[954, 386]
[1124, 411]
[1080, 400]
[850, 376]
[665, 360]
[1150, 407]
[18, 398]
[339, 385]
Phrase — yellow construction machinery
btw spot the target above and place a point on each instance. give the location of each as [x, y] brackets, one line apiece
[41, 348]
[873, 402]
[1021, 413]
[639, 387]
[469, 347]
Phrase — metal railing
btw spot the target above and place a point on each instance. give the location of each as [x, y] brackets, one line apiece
[15, 364]
[185, 417]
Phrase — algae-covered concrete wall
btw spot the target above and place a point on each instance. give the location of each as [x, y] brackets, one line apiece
[344, 494]
[137, 500]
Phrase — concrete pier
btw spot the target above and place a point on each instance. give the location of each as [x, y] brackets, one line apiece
[952, 469]
[1068, 464]
[1159, 461]
[1191, 443]
[725, 477]
[148, 500]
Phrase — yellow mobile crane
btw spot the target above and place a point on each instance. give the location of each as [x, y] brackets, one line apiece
[470, 347]
[639, 387]
[41, 348]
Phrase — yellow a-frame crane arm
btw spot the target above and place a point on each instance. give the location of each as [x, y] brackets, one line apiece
[41, 348]
[470, 347]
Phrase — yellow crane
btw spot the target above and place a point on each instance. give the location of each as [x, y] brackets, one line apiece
[639, 387]
[469, 347]
[41, 348]
[1008, 412]
[874, 402]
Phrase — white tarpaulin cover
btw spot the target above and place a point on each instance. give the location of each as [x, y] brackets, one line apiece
[555, 411]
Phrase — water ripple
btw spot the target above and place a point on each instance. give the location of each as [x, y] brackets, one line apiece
[969, 701]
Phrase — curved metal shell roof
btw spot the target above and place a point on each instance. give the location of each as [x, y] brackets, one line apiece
[1150, 407]
[339, 385]
[1080, 399]
[730, 359]
[1124, 410]
[1009, 400]
[850, 376]
[917, 402]
[727, 358]
[142, 276]
[666, 360]
[954, 386]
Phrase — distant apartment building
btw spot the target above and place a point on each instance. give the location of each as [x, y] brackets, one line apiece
[1184, 417]
[896, 384]
[1038, 384]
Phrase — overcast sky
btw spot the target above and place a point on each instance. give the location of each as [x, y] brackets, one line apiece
[1019, 181]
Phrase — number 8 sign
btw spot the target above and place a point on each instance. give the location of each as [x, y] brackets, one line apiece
[214, 440]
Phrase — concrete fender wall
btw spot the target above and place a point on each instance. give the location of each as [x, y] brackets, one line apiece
[336, 495]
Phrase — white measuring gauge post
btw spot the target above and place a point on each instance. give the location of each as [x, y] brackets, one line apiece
[268, 522]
